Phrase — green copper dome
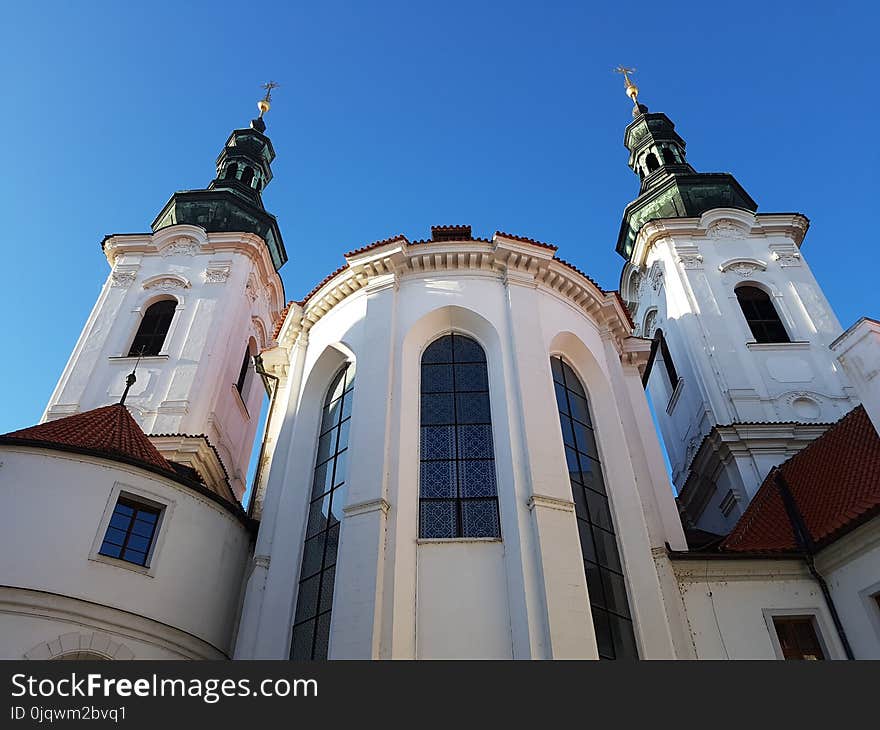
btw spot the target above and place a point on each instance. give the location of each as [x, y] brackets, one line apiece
[670, 187]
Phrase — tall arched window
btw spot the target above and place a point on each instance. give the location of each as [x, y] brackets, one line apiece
[668, 156]
[605, 581]
[651, 162]
[761, 315]
[247, 176]
[244, 373]
[457, 492]
[311, 622]
[154, 326]
[231, 171]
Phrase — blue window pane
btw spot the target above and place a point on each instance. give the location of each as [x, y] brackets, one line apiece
[318, 516]
[597, 506]
[579, 409]
[327, 445]
[437, 479]
[437, 519]
[143, 528]
[344, 428]
[473, 408]
[561, 398]
[567, 431]
[586, 440]
[349, 377]
[339, 496]
[313, 554]
[556, 369]
[123, 509]
[307, 598]
[467, 350]
[437, 409]
[108, 548]
[580, 501]
[137, 542]
[585, 534]
[323, 479]
[115, 536]
[341, 468]
[476, 478]
[322, 637]
[475, 442]
[606, 549]
[326, 600]
[331, 415]
[346, 405]
[120, 521]
[471, 377]
[437, 442]
[591, 474]
[438, 351]
[332, 546]
[302, 641]
[603, 634]
[335, 390]
[572, 382]
[436, 378]
[134, 556]
[623, 638]
[147, 516]
[479, 518]
[595, 589]
[615, 593]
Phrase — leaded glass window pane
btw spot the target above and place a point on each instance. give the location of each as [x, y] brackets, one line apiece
[606, 583]
[311, 630]
[457, 485]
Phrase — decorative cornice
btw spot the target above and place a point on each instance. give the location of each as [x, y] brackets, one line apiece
[362, 508]
[504, 258]
[542, 500]
[166, 282]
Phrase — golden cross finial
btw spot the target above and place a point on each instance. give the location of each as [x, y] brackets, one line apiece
[264, 104]
[632, 91]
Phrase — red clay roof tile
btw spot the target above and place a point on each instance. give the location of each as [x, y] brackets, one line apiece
[835, 483]
[109, 431]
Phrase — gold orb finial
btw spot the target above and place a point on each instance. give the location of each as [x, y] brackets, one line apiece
[632, 91]
[265, 104]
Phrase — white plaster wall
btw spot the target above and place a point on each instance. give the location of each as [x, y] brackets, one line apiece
[858, 351]
[730, 601]
[54, 505]
[190, 387]
[851, 567]
[531, 587]
[689, 270]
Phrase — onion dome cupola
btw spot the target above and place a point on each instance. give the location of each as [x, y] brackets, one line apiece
[233, 200]
[670, 187]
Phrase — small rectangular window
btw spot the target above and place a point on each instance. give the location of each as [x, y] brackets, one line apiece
[798, 638]
[131, 531]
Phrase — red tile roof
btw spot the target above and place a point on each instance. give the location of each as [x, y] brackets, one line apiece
[835, 484]
[109, 431]
[376, 244]
[512, 237]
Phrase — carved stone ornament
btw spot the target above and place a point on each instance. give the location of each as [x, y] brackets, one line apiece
[725, 228]
[251, 288]
[655, 277]
[122, 279]
[217, 274]
[166, 283]
[787, 258]
[691, 261]
[743, 267]
[182, 246]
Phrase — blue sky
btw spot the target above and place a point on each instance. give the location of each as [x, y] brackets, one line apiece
[393, 116]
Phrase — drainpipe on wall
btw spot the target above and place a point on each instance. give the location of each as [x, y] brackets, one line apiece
[808, 548]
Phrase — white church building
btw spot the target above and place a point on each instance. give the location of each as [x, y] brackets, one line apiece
[459, 459]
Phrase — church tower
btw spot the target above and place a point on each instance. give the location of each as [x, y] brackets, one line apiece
[186, 307]
[741, 375]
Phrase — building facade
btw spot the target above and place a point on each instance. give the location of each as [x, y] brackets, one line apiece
[459, 459]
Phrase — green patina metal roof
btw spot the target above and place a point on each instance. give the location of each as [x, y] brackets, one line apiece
[233, 200]
[670, 187]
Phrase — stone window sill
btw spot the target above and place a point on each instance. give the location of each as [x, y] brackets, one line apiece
[144, 358]
[144, 570]
[799, 345]
[449, 540]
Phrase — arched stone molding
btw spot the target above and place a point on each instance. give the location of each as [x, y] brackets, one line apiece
[742, 267]
[402, 535]
[81, 646]
[166, 282]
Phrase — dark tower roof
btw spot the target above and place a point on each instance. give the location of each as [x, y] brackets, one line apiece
[233, 200]
[670, 187]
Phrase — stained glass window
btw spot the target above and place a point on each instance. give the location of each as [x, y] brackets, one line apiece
[605, 581]
[457, 490]
[311, 621]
